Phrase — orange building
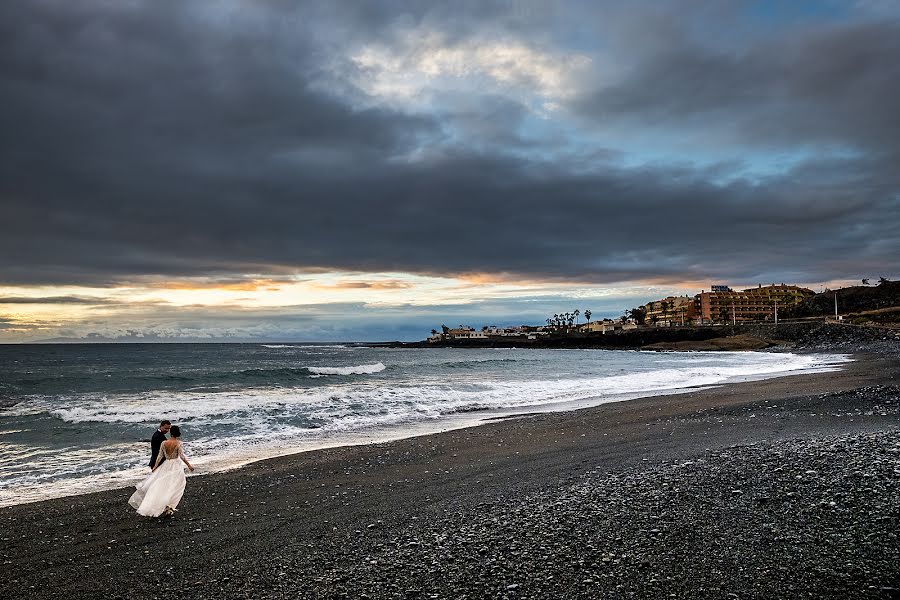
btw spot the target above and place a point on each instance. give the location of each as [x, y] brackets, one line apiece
[674, 310]
[724, 305]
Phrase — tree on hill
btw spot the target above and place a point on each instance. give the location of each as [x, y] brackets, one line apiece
[865, 281]
[666, 307]
[723, 314]
[639, 314]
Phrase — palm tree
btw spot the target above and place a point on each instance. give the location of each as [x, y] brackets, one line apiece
[587, 315]
[639, 314]
[665, 308]
[556, 319]
[576, 313]
[434, 332]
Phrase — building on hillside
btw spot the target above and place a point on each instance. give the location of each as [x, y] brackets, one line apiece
[596, 327]
[494, 331]
[606, 326]
[465, 333]
[674, 310]
[752, 304]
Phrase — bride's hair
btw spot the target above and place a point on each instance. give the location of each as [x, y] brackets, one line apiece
[175, 432]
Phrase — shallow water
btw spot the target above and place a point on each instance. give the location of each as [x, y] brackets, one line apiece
[84, 413]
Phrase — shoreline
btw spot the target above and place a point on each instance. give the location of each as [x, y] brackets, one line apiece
[311, 524]
[450, 422]
[738, 337]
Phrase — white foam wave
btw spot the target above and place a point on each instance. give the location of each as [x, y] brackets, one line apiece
[334, 406]
[355, 370]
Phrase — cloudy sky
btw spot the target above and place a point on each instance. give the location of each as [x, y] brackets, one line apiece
[270, 169]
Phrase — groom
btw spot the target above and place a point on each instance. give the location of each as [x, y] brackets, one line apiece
[159, 436]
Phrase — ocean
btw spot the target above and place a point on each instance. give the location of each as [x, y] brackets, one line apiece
[83, 414]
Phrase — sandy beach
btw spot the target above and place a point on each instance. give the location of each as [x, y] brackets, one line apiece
[786, 487]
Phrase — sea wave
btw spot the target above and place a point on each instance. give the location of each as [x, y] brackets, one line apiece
[354, 370]
[229, 423]
[277, 346]
[338, 406]
[211, 379]
[477, 362]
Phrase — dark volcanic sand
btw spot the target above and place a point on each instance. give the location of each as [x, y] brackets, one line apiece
[723, 493]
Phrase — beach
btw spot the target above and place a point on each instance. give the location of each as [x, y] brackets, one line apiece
[785, 487]
[437, 300]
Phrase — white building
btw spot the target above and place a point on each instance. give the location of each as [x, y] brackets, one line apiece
[607, 326]
[467, 333]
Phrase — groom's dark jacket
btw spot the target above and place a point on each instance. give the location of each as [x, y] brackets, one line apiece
[155, 442]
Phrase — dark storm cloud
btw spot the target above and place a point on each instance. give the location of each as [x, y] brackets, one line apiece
[156, 139]
[836, 84]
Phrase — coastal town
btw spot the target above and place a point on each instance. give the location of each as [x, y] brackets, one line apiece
[720, 305]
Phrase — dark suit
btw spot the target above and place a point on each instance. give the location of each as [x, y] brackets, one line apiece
[155, 442]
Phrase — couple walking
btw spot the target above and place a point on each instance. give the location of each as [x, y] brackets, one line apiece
[161, 492]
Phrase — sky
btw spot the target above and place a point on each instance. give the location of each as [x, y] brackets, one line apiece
[279, 170]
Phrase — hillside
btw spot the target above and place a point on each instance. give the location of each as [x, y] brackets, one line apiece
[851, 300]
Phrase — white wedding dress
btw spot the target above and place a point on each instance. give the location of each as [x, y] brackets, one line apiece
[164, 487]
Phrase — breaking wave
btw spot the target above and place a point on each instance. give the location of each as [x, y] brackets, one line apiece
[357, 370]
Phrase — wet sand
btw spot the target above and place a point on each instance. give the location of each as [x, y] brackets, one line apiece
[510, 508]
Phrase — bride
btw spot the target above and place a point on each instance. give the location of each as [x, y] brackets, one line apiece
[161, 492]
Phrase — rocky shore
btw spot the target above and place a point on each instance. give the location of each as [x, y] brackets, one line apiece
[787, 487]
[811, 334]
[812, 518]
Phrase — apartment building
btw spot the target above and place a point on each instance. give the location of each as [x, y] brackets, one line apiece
[674, 310]
[724, 305]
